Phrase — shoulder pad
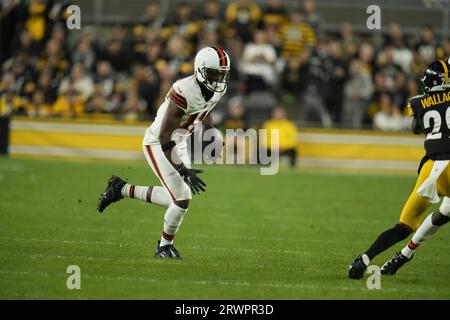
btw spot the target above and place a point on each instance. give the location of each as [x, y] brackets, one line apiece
[419, 96]
[440, 88]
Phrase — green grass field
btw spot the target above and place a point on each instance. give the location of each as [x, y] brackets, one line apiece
[288, 236]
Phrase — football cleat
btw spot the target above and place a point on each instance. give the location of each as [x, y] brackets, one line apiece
[167, 252]
[396, 262]
[112, 193]
[357, 268]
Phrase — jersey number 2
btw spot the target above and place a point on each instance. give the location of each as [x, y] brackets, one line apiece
[437, 122]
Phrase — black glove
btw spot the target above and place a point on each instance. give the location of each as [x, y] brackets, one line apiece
[192, 179]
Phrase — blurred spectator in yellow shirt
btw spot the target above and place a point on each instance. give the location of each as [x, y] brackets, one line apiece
[287, 132]
[10, 102]
[54, 58]
[183, 25]
[69, 103]
[133, 105]
[37, 108]
[242, 16]
[36, 22]
[295, 35]
[274, 14]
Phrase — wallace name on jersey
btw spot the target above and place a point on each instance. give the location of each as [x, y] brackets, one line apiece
[435, 99]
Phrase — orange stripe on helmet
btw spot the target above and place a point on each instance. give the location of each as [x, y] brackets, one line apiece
[223, 61]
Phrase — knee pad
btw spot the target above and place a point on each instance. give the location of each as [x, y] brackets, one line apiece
[438, 219]
[181, 205]
[444, 208]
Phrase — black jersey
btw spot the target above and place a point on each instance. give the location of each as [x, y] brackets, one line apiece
[432, 112]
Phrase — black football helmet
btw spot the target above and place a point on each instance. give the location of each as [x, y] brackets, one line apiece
[436, 74]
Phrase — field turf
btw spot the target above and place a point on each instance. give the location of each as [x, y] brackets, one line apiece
[288, 236]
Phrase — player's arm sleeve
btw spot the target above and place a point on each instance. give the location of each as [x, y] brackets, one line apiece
[415, 126]
[208, 122]
[410, 110]
[178, 99]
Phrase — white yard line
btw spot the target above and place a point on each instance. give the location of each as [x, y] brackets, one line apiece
[200, 236]
[121, 244]
[237, 283]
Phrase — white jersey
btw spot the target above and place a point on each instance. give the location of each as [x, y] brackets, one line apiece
[187, 95]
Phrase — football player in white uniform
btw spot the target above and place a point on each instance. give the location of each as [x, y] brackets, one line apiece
[186, 105]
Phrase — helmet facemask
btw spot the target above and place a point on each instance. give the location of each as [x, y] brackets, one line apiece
[215, 79]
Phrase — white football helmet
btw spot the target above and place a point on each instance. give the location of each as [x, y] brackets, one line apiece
[212, 68]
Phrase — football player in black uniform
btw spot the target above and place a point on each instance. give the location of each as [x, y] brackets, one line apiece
[431, 116]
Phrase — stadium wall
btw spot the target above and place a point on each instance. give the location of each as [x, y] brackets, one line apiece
[320, 148]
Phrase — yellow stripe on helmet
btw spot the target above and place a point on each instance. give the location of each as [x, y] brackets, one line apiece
[444, 65]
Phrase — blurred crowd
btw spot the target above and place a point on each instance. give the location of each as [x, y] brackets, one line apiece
[281, 57]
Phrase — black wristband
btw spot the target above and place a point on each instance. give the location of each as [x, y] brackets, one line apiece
[167, 146]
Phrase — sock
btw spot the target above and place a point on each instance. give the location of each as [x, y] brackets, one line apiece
[160, 196]
[134, 192]
[387, 239]
[409, 249]
[426, 230]
[172, 221]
